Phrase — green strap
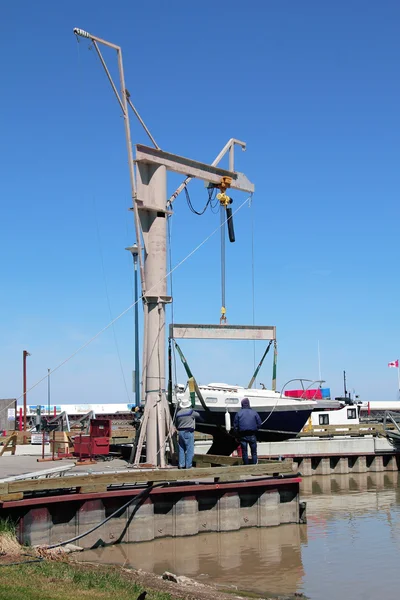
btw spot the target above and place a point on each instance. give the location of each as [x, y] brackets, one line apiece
[169, 393]
[274, 366]
[252, 380]
[190, 376]
[183, 359]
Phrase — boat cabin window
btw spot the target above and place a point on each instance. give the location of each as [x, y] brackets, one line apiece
[324, 419]
[231, 400]
[352, 413]
[211, 400]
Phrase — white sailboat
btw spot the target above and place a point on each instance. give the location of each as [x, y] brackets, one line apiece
[282, 417]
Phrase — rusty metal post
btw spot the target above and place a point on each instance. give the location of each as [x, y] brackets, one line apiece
[43, 440]
[134, 250]
[25, 354]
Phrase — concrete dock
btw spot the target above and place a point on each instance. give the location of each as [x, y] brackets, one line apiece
[326, 456]
[153, 503]
[148, 503]
[179, 510]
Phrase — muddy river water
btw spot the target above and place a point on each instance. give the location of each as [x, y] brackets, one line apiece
[350, 547]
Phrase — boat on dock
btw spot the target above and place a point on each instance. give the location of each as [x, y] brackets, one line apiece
[282, 417]
[339, 413]
[332, 413]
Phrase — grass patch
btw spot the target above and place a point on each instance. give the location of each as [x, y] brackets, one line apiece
[9, 545]
[69, 581]
[8, 526]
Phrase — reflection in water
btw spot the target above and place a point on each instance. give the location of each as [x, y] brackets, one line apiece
[350, 546]
[238, 558]
[353, 543]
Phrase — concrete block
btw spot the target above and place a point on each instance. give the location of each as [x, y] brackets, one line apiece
[288, 504]
[116, 529]
[249, 509]
[207, 517]
[377, 464]
[305, 467]
[164, 524]
[322, 466]
[314, 446]
[333, 463]
[64, 531]
[382, 444]
[390, 463]
[358, 464]
[268, 505]
[229, 512]
[140, 522]
[36, 526]
[64, 522]
[341, 467]
[185, 517]
[91, 513]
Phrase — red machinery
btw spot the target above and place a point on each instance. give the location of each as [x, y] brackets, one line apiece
[97, 443]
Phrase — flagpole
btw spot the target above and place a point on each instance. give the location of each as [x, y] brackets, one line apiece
[398, 380]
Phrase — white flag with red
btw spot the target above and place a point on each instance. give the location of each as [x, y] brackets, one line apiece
[395, 363]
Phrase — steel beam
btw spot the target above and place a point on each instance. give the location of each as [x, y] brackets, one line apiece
[222, 332]
[229, 147]
[192, 168]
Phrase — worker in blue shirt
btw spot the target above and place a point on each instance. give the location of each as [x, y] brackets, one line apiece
[246, 423]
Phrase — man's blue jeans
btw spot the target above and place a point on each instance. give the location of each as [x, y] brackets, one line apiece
[186, 449]
[252, 441]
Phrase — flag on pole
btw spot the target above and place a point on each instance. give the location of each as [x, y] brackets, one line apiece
[394, 363]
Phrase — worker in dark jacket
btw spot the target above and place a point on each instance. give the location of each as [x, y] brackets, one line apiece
[186, 424]
[246, 423]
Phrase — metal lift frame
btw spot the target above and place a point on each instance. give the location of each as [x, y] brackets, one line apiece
[222, 332]
[150, 207]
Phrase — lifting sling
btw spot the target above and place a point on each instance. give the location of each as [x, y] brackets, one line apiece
[192, 382]
[274, 367]
[252, 380]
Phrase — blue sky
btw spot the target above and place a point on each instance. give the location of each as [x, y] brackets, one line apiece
[313, 88]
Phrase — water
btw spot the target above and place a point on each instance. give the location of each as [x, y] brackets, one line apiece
[350, 547]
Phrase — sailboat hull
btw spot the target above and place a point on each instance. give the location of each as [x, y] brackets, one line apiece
[278, 425]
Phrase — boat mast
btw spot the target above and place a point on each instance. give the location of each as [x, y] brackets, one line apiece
[344, 383]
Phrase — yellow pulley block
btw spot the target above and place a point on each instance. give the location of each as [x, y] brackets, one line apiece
[222, 320]
[224, 199]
